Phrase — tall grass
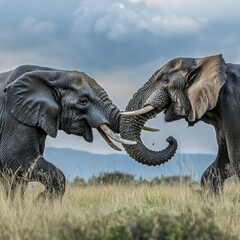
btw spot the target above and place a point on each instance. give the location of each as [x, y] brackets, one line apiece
[124, 212]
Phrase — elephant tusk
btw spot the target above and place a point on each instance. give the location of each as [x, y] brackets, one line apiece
[108, 141]
[149, 129]
[139, 111]
[114, 136]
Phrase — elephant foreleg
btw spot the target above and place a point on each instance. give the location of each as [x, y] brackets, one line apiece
[213, 178]
[234, 154]
[51, 177]
[215, 175]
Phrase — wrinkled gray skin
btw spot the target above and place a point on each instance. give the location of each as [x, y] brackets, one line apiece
[205, 89]
[39, 101]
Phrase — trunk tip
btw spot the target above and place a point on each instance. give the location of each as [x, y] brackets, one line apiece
[171, 139]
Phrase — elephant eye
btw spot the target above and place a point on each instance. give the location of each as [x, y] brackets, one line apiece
[83, 102]
[165, 79]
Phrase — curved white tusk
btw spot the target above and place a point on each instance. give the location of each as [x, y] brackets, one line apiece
[139, 111]
[149, 129]
[108, 141]
[114, 136]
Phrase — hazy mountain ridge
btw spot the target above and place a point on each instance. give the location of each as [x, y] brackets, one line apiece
[84, 164]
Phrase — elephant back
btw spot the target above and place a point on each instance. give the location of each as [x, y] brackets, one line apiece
[10, 76]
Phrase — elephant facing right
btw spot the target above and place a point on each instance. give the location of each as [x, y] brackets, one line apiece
[196, 89]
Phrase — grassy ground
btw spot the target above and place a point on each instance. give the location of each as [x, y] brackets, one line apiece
[124, 212]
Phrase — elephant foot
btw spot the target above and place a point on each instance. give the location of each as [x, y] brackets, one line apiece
[215, 186]
[213, 182]
[51, 178]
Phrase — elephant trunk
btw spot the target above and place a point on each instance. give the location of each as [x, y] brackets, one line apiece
[130, 128]
[114, 118]
[110, 129]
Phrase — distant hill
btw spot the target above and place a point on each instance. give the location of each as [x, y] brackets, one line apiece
[84, 164]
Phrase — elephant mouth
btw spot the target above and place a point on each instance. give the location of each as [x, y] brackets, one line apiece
[88, 135]
[168, 113]
[107, 134]
[82, 129]
[174, 112]
[167, 107]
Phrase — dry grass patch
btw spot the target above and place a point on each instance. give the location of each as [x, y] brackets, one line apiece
[100, 212]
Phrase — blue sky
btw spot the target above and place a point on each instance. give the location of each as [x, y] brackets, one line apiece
[120, 44]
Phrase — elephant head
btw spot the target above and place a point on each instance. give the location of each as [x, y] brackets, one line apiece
[183, 88]
[63, 100]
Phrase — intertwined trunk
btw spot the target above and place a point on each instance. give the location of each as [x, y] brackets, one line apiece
[130, 128]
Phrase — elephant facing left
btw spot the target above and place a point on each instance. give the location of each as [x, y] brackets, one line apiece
[38, 101]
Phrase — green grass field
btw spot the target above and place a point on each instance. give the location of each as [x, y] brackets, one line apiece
[124, 212]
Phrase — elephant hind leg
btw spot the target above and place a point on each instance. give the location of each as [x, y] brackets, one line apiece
[51, 177]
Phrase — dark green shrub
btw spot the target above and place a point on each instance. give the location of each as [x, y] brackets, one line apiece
[112, 178]
[135, 226]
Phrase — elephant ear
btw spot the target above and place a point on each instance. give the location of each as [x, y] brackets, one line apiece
[205, 82]
[34, 102]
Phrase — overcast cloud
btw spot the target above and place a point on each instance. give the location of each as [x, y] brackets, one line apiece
[120, 44]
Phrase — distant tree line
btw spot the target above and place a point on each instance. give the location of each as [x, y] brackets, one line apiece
[123, 178]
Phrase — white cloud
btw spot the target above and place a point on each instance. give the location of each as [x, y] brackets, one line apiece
[119, 19]
[31, 26]
[209, 9]
[112, 26]
[170, 25]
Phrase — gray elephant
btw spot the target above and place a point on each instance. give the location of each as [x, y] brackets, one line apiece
[206, 89]
[39, 101]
